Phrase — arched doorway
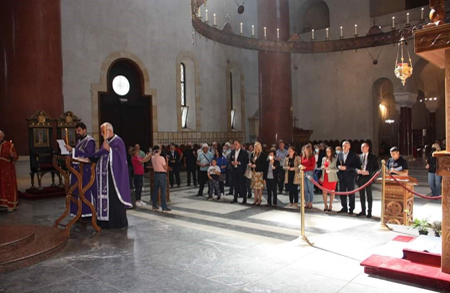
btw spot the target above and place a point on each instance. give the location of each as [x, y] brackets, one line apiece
[384, 109]
[125, 105]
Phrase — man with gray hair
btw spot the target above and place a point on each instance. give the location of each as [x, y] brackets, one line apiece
[204, 159]
[113, 186]
[347, 163]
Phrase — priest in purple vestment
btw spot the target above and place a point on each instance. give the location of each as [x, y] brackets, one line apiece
[84, 148]
[113, 185]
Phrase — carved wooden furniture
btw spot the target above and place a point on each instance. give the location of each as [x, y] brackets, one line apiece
[67, 121]
[301, 136]
[40, 134]
[80, 197]
[399, 203]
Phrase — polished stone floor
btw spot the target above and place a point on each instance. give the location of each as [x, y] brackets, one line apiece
[210, 246]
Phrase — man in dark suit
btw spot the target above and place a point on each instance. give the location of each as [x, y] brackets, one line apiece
[239, 162]
[369, 166]
[190, 160]
[347, 163]
[174, 164]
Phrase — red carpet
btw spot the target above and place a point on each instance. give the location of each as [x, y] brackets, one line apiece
[401, 238]
[22, 246]
[408, 271]
[418, 267]
[46, 192]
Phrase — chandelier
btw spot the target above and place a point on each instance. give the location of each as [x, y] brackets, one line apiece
[403, 70]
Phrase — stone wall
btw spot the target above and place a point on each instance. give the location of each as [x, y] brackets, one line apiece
[156, 32]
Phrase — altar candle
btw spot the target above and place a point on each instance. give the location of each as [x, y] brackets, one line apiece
[241, 30]
[356, 29]
[265, 32]
[199, 13]
[253, 30]
[421, 13]
[312, 34]
[278, 33]
[215, 21]
[407, 18]
[206, 15]
[342, 32]
[328, 33]
[67, 136]
[393, 22]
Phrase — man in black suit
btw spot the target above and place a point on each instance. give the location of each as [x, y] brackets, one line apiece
[190, 160]
[174, 164]
[347, 163]
[369, 166]
[239, 162]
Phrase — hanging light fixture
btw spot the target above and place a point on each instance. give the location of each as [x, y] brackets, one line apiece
[403, 70]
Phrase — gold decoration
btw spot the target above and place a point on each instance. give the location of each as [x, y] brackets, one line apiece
[403, 70]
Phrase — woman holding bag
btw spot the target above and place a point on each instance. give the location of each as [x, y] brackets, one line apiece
[292, 167]
[258, 163]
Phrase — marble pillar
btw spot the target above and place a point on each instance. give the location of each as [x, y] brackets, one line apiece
[31, 63]
[405, 100]
[275, 85]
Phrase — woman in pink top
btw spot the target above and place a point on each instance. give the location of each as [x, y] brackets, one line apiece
[138, 166]
[307, 165]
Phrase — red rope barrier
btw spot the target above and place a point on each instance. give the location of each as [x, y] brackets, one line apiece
[340, 192]
[413, 192]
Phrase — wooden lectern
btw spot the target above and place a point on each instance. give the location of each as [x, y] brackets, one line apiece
[79, 199]
[399, 202]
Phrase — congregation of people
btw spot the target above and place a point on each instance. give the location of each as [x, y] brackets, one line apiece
[245, 169]
[248, 169]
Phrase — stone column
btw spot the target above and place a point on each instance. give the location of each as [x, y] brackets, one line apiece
[432, 106]
[31, 62]
[275, 85]
[405, 100]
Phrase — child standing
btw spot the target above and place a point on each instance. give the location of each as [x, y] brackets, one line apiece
[138, 166]
[213, 175]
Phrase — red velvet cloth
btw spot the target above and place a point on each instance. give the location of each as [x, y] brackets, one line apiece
[8, 181]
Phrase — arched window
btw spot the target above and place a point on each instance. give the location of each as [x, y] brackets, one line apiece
[233, 110]
[313, 14]
[187, 94]
[235, 97]
[183, 96]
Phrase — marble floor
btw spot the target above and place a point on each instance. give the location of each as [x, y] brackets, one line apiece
[210, 246]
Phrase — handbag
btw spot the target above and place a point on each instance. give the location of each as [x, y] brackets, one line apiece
[248, 172]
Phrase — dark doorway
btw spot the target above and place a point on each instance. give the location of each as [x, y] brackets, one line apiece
[128, 111]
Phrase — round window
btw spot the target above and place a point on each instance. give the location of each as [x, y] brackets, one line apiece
[121, 85]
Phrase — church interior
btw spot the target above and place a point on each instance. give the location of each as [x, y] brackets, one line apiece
[107, 108]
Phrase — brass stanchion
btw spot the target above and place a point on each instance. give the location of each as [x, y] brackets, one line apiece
[302, 207]
[302, 202]
[383, 194]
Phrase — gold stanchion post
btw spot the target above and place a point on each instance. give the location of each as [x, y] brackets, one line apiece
[302, 202]
[302, 207]
[383, 188]
[383, 225]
